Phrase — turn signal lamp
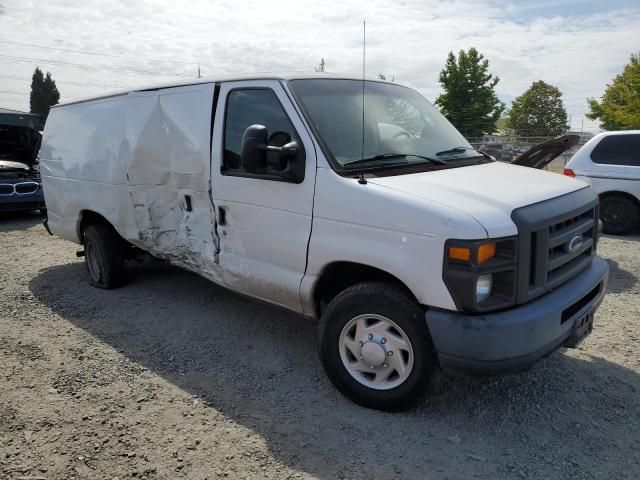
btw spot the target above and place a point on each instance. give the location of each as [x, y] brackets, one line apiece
[485, 252]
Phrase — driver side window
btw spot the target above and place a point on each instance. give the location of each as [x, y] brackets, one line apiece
[255, 106]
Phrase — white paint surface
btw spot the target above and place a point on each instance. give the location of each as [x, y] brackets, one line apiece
[135, 157]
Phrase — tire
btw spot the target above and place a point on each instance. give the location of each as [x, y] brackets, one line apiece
[104, 256]
[619, 215]
[375, 305]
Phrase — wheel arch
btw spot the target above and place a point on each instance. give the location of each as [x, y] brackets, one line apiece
[89, 217]
[339, 275]
[620, 193]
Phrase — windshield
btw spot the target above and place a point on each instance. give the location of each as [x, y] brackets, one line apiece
[400, 125]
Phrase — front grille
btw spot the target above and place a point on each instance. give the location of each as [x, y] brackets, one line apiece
[22, 188]
[561, 262]
[26, 187]
[555, 248]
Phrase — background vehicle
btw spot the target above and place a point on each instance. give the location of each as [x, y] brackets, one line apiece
[20, 187]
[610, 162]
[415, 251]
[537, 156]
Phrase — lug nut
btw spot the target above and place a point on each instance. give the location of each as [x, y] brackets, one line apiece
[383, 340]
[390, 353]
[385, 365]
[370, 336]
[361, 343]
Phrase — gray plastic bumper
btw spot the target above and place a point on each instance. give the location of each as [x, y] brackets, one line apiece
[513, 340]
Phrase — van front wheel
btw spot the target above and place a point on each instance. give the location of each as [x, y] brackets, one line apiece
[375, 347]
[104, 256]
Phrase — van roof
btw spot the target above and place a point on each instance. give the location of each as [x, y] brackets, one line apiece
[216, 79]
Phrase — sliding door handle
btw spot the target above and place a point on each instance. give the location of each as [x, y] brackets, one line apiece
[222, 216]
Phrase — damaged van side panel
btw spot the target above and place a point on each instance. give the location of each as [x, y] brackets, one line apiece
[144, 167]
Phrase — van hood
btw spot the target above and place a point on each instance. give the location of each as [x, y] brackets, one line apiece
[488, 192]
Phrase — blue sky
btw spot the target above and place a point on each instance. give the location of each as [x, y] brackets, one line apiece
[524, 10]
[96, 46]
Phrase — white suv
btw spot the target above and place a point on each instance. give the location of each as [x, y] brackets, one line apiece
[610, 162]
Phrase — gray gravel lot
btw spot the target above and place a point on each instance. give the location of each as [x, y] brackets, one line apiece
[173, 376]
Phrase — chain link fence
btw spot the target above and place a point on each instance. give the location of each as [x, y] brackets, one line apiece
[507, 148]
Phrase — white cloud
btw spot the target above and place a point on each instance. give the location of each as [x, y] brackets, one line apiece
[408, 39]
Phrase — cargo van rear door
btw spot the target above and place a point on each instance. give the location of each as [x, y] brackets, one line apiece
[263, 213]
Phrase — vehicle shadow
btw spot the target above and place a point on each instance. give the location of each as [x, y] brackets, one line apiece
[258, 366]
[19, 220]
[620, 280]
[633, 236]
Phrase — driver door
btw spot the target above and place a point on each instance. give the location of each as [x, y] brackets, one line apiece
[263, 221]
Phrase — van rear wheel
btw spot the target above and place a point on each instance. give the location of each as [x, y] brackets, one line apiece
[375, 347]
[104, 256]
[619, 215]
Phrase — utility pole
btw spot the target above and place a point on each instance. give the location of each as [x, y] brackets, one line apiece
[199, 71]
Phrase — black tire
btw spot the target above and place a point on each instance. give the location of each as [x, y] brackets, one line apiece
[104, 256]
[393, 303]
[620, 215]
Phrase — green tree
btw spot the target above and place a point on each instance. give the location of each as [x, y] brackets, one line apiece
[539, 111]
[469, 100]
[44, 93]
[619, 107]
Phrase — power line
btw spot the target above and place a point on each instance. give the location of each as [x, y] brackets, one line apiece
[65, 82]
[86, 52]
[93, 67]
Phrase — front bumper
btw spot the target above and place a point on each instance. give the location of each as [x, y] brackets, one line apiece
[515, 339]
[20, 202]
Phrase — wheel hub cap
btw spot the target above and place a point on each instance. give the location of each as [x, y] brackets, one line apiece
[373, 353]
[376, 352]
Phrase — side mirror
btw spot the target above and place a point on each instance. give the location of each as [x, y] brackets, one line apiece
[288, 150]
[253, 156]
[254, 149]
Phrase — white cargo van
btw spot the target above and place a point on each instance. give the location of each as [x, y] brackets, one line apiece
[415, 252]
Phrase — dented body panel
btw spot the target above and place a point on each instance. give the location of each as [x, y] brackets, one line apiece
[135, 159]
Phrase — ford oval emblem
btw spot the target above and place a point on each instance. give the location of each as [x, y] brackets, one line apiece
[575, 243]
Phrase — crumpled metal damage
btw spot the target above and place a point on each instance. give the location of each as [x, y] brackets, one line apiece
[135, 159]
[168, 169]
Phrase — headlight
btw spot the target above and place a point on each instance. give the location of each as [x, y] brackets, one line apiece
[483, 287]
[481, 274]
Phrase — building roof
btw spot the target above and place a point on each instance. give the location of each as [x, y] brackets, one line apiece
[9, 111]
[17, 118]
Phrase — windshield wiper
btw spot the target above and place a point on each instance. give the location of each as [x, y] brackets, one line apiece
[463, 149]
[385, 156]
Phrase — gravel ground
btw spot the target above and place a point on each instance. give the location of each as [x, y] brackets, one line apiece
[174, 377]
